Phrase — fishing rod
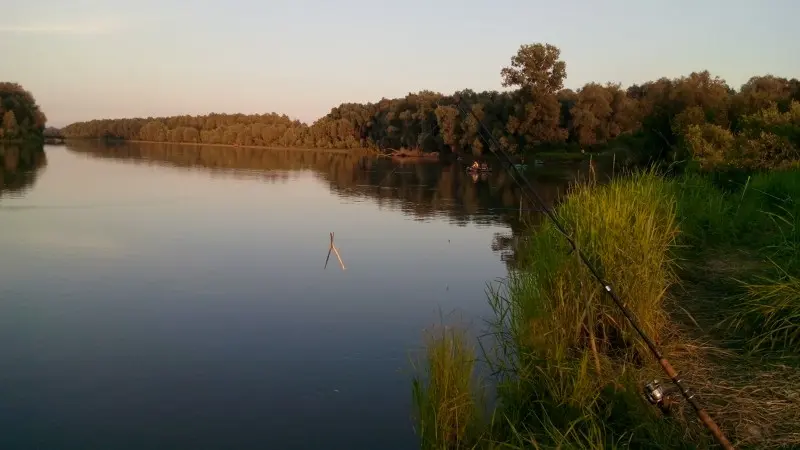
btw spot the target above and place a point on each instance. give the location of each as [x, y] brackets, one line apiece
[529, 191]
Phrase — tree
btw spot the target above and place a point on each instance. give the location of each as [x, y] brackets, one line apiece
[21, 117]
[536, 119]
[536, 67]
[592, 114]
[449, 124]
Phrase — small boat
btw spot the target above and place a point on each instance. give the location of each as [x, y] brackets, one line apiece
[481, 170]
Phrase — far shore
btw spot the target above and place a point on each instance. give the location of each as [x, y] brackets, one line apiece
[399, 155]
[198, 144]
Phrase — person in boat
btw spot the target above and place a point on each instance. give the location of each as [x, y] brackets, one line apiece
[475, 165]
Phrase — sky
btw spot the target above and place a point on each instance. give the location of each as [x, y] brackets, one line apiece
[88, 59]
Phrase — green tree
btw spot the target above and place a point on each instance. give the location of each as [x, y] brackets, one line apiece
[537, 67]
[539, 74]
[21, 117]
[592, 114]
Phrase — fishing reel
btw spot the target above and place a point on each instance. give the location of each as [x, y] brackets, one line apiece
[658, 395]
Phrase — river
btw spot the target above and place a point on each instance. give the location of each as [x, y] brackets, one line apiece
[166, 296]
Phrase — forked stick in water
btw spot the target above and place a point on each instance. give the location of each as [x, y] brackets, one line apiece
[335, 250]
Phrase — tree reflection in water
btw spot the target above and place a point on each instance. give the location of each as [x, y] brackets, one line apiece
[20, 167]
[422, 189]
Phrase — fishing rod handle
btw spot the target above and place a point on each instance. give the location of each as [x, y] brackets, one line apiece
[701, 413]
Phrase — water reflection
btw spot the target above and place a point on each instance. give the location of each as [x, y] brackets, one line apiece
[20, 167]
[160, 307]
[424, 190]
[149, 307]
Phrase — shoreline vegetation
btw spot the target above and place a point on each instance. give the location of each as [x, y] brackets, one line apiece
[330, 150]
[711, 270]
[642, 123]
[704, 248]
[400, 154]
[412, 155]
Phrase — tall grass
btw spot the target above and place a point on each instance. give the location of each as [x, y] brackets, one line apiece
[446, 396]
[762, 218]
[768, 215]
[626, 228]
[759, 212]
[703, 212]
[770, 310]
[782, 189]
[565, 354]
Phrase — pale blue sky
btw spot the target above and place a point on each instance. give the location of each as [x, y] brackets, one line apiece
[85, 59]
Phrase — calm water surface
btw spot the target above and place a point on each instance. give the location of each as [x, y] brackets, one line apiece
[175, 297]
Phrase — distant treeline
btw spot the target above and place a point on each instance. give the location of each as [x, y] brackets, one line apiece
[698, 113]
[20, 116]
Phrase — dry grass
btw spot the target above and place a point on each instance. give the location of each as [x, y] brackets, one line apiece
[757, 404]
[754, 398]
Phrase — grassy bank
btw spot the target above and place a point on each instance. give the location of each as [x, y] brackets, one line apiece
[708, 264]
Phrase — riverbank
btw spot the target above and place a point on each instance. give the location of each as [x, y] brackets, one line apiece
[401, 154]
[710, 269]
[329, 150]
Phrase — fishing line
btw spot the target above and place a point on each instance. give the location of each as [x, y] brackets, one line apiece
[530, 192]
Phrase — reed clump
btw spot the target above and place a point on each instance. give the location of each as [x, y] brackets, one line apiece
[626, 229]
[446, 393]
[571, 379]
